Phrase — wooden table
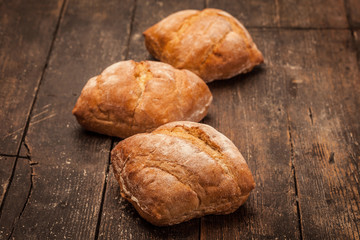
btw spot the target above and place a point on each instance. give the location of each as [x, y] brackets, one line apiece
[294, 118]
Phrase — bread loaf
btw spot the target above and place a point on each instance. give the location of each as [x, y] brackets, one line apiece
[130, 97]
[182, 170]
[210, 43]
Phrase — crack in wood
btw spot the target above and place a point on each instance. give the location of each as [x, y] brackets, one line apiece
[27, 197]
[331, 158]
[97, 229]
[23, 142]
[11, 155]
[293, 170]
[8, 186]
[311, 116]
[28, 149]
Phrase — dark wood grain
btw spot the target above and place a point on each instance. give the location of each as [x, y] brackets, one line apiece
[17, 198]
[353, 7]
[7, 165]
[250, 110]
[258, 13]
[323, 115]
[119, 220]
[286, 13]
[312, 14]
[67, 182]
[26, 34]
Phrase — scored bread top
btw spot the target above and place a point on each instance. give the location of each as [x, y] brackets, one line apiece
[133, 97]
[180, 171]
[211, 43]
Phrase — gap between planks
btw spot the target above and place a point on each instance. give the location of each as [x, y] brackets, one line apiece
[96, 236]
[29, 192]
[10, 155]
[293, 170]
[61, 14]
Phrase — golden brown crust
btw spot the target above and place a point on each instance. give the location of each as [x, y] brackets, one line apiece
[210, 43]
[182, 170]
[130, 97]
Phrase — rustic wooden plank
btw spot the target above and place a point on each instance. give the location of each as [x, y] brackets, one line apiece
[119, 220]
[17, 197]
[312, 14]
[323, 114]
[250, 110]
[353, 7]
[26, 34]
[67, 184]
[286, 13]
[7, 165]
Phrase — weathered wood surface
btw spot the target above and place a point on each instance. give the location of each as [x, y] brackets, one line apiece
[26, 34]
[17, 197]
[286, 13]
[353, 7]
[64, 197]
[323, 115]
[295, 119]
[7, 165]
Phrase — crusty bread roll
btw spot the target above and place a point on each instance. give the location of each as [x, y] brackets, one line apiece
[130, 97]
[210, 43]
[180, 171]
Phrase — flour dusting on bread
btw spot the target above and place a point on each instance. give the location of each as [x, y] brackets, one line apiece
[132, 97]
[182, 170]
[211, 43]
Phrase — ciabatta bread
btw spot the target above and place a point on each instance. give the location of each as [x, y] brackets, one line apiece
[133, 97]
[211, 43]
[180, 171]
